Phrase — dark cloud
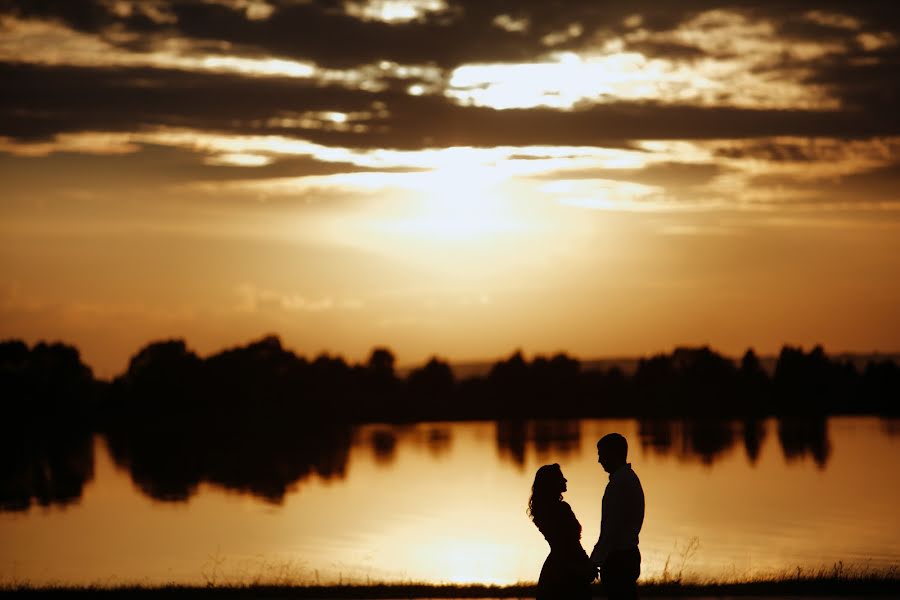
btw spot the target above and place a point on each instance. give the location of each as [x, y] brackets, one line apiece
[671, 50]
[674, 176]
[794, 12]
[310, 29]
[879, 184]
[771, 151]
[679, 180]
[865, 80]
[810, 150]
[802, 28]
[152, 165]
[38, 102]
[90, 15]
[322, 32]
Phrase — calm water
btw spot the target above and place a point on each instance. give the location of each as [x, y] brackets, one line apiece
[446, 503]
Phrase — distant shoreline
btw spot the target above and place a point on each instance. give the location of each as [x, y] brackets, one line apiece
[465, 369]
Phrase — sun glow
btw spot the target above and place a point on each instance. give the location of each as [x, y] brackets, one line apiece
[394, 11]
[561, 82]
[464, 561]
[459, 199]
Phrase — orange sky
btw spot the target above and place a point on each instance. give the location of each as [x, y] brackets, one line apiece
[600, 183]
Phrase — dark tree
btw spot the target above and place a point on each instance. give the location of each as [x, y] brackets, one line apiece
[46, 446]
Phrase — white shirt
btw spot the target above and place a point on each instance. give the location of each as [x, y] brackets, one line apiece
[623, 514]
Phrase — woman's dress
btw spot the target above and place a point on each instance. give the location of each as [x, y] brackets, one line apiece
[567, 572]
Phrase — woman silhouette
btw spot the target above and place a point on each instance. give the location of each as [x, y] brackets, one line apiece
[567, 572]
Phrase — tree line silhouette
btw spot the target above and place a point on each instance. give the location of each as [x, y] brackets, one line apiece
[259, 418]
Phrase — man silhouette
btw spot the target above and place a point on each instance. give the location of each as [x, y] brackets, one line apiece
[616, 552]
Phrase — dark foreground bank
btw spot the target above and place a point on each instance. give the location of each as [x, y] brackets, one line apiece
[819, 587]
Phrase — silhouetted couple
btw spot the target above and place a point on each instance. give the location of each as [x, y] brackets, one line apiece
[568, 571]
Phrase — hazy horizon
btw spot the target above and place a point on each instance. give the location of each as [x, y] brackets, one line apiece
[465, 367]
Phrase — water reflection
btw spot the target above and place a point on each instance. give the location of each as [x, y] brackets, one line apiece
[438, 441]
[708, 440]
[436, 500]
[384, 444]
[170, 464]
[754, 433]
[48, 467]
[561, 438]
[801, 437]
[268, 460]
[688, 440]
[891, 426]
[383, 439]
[696, 440]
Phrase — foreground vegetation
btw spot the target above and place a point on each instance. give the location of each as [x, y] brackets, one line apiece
[830, 582]
[282, 582]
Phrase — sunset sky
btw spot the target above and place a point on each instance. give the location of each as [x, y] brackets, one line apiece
[450, 177]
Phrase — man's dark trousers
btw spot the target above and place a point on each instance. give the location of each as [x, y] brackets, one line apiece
[619, 574]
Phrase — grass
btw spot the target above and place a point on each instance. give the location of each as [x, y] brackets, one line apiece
[284, 580]
[832, 581]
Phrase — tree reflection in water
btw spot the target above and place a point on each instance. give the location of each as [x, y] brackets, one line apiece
[383, 440]
[438, 441]
[754, 433]
[48, 467]
[169, 463]
[169, 460]
[384, 445]
[802, 436]
[688, 440]
[707, 440]
[891, 426]
[703, 440]
[559, 437]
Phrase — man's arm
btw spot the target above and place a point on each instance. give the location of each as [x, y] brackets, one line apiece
[610, 523]
[601, 548]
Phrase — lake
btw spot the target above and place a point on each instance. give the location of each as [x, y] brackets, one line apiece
[445, 502]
